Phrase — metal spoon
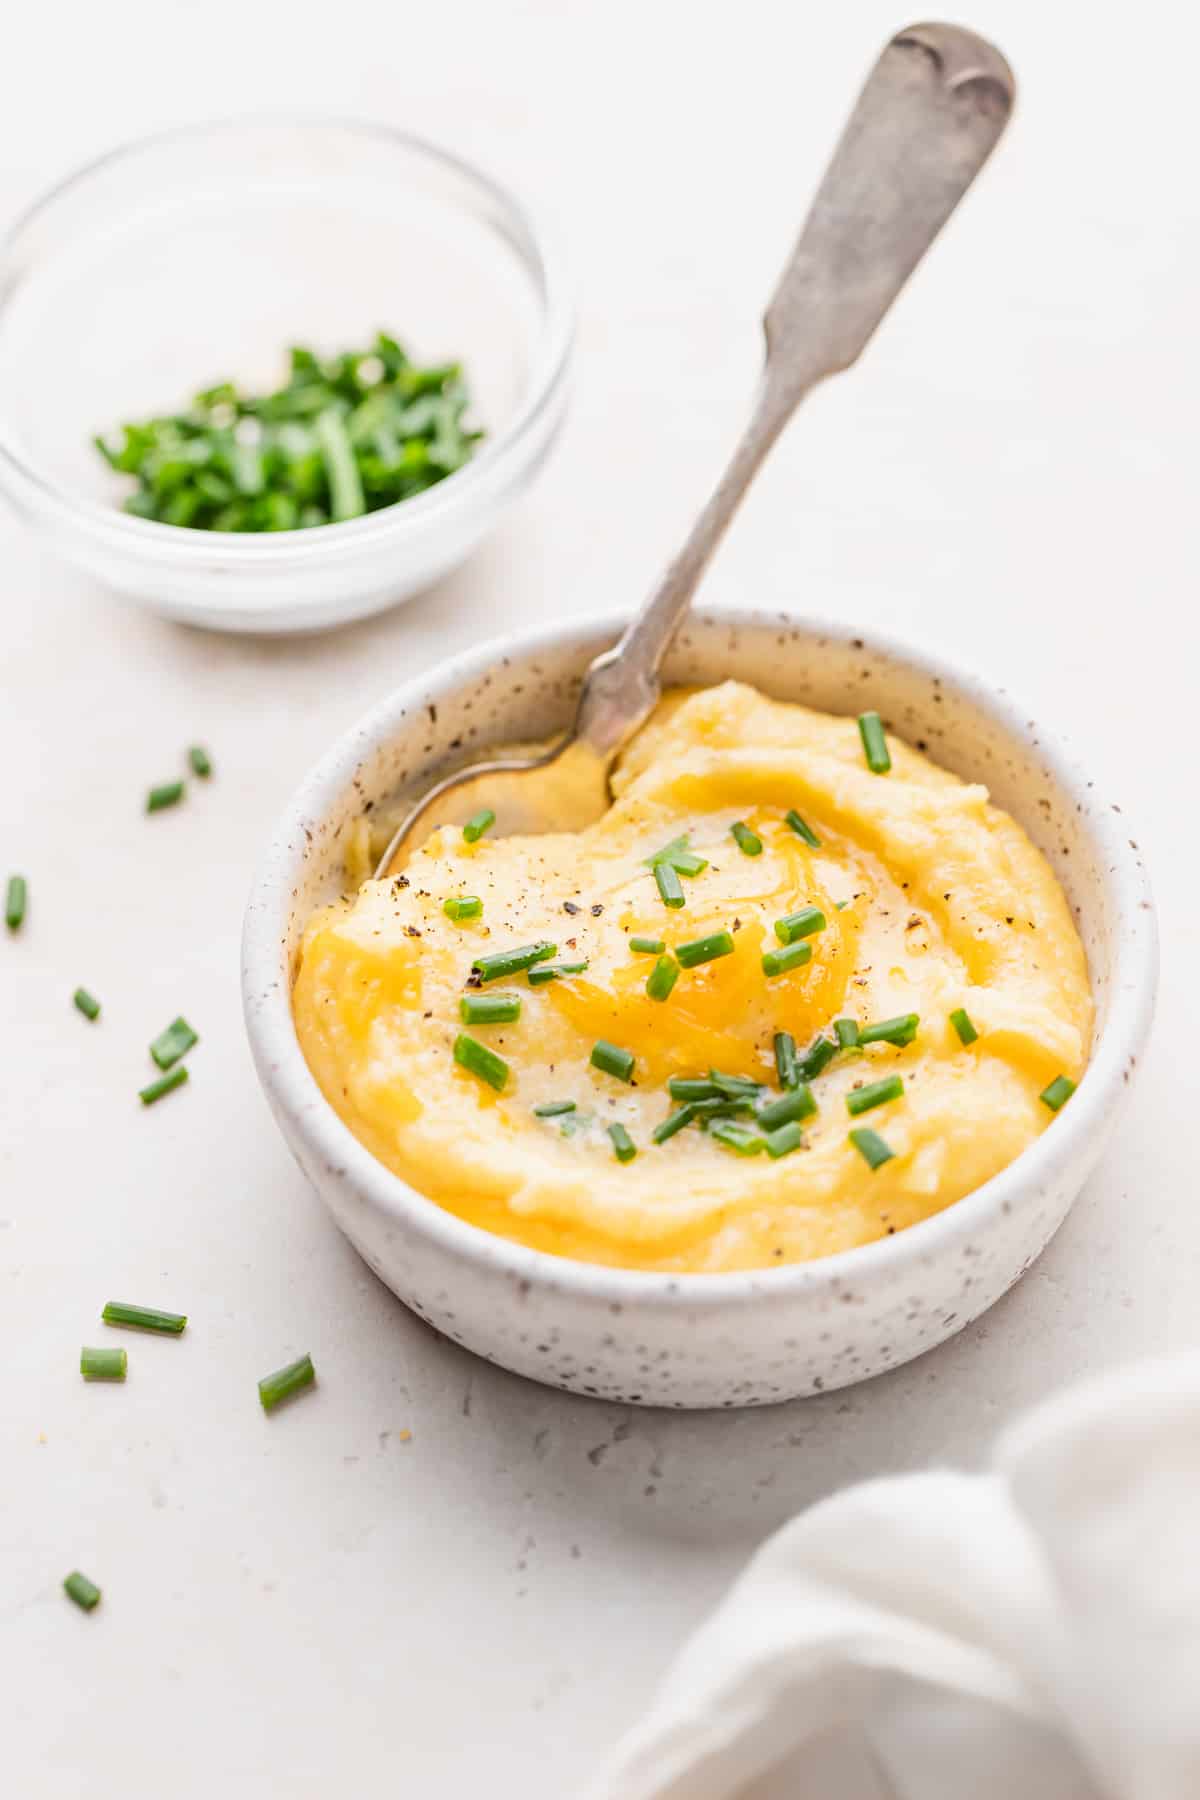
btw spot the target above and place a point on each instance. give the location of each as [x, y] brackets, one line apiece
[927, 119]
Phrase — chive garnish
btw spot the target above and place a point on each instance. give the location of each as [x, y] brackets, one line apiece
[16, 900]
[83, 1592]
[875, 1093]
[685, 1088]
[169, 794]
[477, 824]
[738, 1139]
[800, 924]
[662, 978]
[623, 1145]
[780, 962]
[846, 1033]
[174, 1042]
[672, 1123]
[552, 971]
[647, 946]
[87, 1003]
[720, 1108]
[705, 949]
[144, 1318]
[871, 1147]
[511, 962]
[818, 1056]
[735, 1087]
[478, 1060]
[164, 1085]
[463, 906]
[874, 742]
[785, 1139]
[346, 497]
[802, 829]
[553, 1109]
[962, 1024]
[899, 1031]
[612, 1060]
[1058, 1093]
[489, 1009]
[747, 841]
[795, 1105]
[785, 1059]
[200, 762]
[273, 1389]
[669, 885]
[102, 1365]
[679, 857]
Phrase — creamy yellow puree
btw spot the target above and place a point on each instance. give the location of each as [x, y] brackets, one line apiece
[947, 905]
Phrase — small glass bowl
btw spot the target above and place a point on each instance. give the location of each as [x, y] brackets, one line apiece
[203, 254]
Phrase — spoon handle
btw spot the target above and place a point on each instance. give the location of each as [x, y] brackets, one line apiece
[927, 119]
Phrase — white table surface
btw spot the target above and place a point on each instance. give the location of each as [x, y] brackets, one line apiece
[317, 1604]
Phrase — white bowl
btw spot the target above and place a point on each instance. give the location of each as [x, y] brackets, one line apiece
[706, 1340]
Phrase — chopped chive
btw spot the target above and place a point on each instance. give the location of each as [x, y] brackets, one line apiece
[672, 1123]
[477, 1059]
[553, 1109]
[785, 1139]
[169, 794]
[102, 1365]
[200, 761]
[145, 1318]
[346, 499]
[1058, 1093]
[899, 1031]
[818, 1056]
[802, 829]
[874, 1149]
[165, 1084]
[662, 978]
[705, 949]
[747, 841]
[740, 1107]
[796, 1105]
[273, 1389]
[684, 1088]
[511, 962]
[575, 1122]
[875, 1093]
[647, 946]
[612, 1060]
[477, 824]
[780, 962]
[669, 885]
[174, 1042]
[462, 906]
[87, 1003]
[846, 1032]
[679, 857]
[800, 924]
[735, 1087]
[623, 1145]
[83, 1592]
[552, 971]
[785, 1059]
[16, 900]
[874, 742]
[489, 1009]
[738, 1139]
[841, 905]
[962, 1024]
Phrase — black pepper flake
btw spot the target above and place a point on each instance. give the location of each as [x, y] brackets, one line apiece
[1008, 918]
[401, 881]
[427, 1015]
[572, 943]
[569, 906]
[596, 911]
[474, 980]
[411, 931]
[737, 924]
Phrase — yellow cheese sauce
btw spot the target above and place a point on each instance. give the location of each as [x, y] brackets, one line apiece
[932, 900]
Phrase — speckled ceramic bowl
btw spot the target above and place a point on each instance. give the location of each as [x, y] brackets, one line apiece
[705, 1340]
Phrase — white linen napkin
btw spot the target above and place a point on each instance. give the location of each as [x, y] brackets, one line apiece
[1032, 1633]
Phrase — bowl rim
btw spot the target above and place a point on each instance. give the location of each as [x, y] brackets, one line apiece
[530, 241]
[290, 1085]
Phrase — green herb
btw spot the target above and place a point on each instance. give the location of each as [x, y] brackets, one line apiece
[159, 798]
[735, 1087]
[87, 1003]
[553, 971]
[16, 900]
[818, 1056]
[462, 906]
[800, 924]
[669, 885]
[685, 1087]
[274, 1389]
[785, 1059]
[738, 1139]
[165, 1084]
[846, 1032]
[477, 824]
[200, 761]
[875, 1093]
[721, 1108]
[662, 978]
[475, 1057]
[963, 1025]
[575, 1122]
[797, 1104]
[747, 841]
[511, 962]
[785, 1139]
[553, 1109]
[647, 946]
[174, 1042]
[83, 1592]
[780, 962]
[1058, 1093]
[802, 829]
[871, 1147]
[489, 1009]
[623, 1145]
[672, 1123]
[705, 949]
[679, 857]
[145, 1318]
[899, 1031]
[612, 1060]
[874, 742]
[102, 1365]
[346, 497]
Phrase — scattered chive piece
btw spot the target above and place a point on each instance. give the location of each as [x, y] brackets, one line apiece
[1058, 1093]
[164, 1085]
[552, 971]
[612, 1059]
[800, 924]
[705, 949]
[735, 1087]
[15, 902]
[169, 794]
[346, 498]
[719, 1108]
[146, 1318]
[83, 1592]
[623, 1145]
[477, 824]
[647, 946]
[897, 1031]
[463, 906]
[273, 1389]
[747, 841]
[818, 1056]
[477, 1059]
[102, 1365]
[841, 905]
[683, 1088]
[876, 1093]
[846, 1032]
[200, 761]
[174, 1042]
[962, 1024]
[871, 1147]
[489, 1009]
[802, 829]
[574, 1122]
[738, 1139]
[669, 885]
[679, 857]
[662, 978]
[785, 1139]
[87, 1003]
[779, 962]
[870, 729]
[553, 1109]
[511, 962]
[672, 1123]
[794, 1106]
[785, 1059]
